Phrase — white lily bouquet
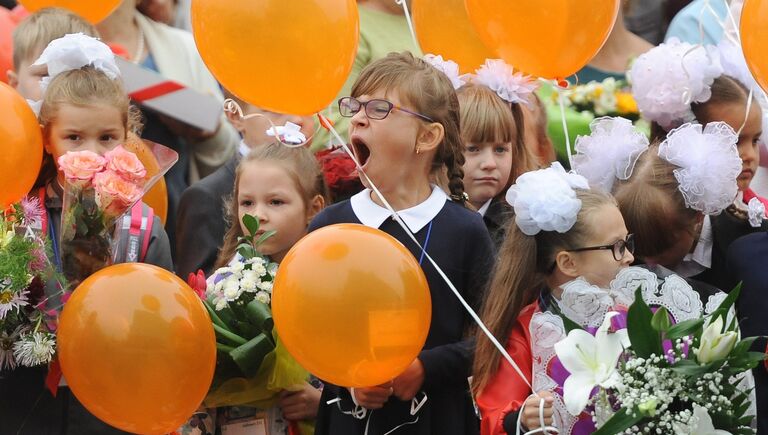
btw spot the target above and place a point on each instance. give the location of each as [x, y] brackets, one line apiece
[640, 372]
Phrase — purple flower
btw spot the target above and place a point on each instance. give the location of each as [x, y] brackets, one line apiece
[32, 210]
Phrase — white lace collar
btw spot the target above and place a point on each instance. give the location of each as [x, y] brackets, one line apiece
[484, 209]
[416, 217]
[700, 259]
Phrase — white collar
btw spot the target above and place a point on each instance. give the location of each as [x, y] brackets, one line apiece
[243, 149]
[484, 209]
[700, 259]
[416, 217]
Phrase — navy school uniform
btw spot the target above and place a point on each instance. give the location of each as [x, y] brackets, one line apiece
[496, 214]
[459, 243]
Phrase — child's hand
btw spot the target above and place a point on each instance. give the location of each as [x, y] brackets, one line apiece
[373, 397]
[530, 410]
[410, 381]
[300, 405]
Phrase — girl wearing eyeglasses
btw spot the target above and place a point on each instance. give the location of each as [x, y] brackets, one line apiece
[405, 132]
[562, 230]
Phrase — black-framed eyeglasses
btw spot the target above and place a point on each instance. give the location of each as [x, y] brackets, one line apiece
[618, 248]
[374, 109]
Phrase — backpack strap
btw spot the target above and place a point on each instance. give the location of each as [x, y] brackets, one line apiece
[134, 233]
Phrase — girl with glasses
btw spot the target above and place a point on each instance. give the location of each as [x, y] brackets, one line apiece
[405, 132]
[562, 231]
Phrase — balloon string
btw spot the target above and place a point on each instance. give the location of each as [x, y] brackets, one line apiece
[565, 124]
[324, 121]
[231, 106]
[746, 115]
[408, 20]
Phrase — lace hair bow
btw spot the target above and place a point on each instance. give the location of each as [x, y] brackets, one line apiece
[447, 67]
[75, 51]
[289, 133]
[671, 76]
[501, 78]
[609, 152]
[545, 200]
[708, 164]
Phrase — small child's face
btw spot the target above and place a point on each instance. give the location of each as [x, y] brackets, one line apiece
[254, 129]
[98, 128]
[486, 170]
[749, 136]
[267, 190]
[26, 80]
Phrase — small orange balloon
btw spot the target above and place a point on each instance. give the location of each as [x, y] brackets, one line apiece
[443, 27]
[92, 10]
[137, 348]
[287, 56]
[549, 39]
[22, 150]
[754, 39]
[157, 196]
[352, 305]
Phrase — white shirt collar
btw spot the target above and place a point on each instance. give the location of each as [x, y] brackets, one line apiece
[484, 209]
[700, 259]
[243, 149]
[416, 217]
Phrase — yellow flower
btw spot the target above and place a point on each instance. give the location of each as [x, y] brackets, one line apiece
[5, 238]
[625, 103]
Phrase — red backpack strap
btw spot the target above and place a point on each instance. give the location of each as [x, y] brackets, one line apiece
[134, 234]
[149, 214]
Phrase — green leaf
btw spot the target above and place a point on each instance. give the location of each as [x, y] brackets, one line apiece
[685, 328]
[264, 237]
[722, 309]
[619, 422]
[214, 317]
[260, 315]
[250, 355]
[228, 335]
[645, 340]
[569, 324]
[660, 321]
[251, 224]
[691, 368]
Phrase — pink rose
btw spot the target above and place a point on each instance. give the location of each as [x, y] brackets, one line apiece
[79, 167]
[126, 164]
[114, 194]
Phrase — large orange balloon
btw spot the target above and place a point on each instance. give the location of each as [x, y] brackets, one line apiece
[288, 56]
[157, 196]
[22, 146]
[754, 39]
[137, 348]
[351, 305]
[443, 27]
[92, 10]
[550, 39]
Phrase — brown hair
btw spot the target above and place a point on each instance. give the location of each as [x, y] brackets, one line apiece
[485, 118]
[36, 31]
[522, 267]
[429, 92]
[302, 167]
[82, 87]
[652, 205]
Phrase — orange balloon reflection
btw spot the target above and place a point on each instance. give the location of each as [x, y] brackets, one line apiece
[352, 305]
[137, 348]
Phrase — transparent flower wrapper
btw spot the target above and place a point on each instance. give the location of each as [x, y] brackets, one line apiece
[88, 232]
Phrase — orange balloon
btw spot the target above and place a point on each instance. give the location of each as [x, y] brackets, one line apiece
[7, 24]
[157, 196]
[550, 39]
[92, 10]
[137, 348]
[351, 305]
[754, 39]
[443, 27]
[22, 151]
[287, 56]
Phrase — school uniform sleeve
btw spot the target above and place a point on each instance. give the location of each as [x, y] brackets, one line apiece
[501, 399]
[451, 364]
[199, 231]
[159, 248]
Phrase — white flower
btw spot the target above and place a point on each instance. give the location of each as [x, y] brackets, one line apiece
[501, 78]
[248, 284]
[262, 297]
[251, 274]
[236, 267]
[289, 133]
[258, 269]
[35, 349]
[10, 299]
[265, 286]
[590, 360]
[715, 345]
[756, 212]
[447, 67]
[544, 200]
[220, 304]
[232, 290]
[702, 426]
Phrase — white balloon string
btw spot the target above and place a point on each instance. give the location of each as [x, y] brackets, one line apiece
[440, 272]
[408, 20]
[746, 115]
[542, 429]
[231, 106]
[561, 99]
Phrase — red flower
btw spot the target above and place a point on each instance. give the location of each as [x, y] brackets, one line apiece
[197, 282]
[339, 172]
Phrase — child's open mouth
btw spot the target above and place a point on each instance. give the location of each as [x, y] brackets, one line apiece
[361, 150]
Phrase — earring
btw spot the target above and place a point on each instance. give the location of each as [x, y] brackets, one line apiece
[418, 150]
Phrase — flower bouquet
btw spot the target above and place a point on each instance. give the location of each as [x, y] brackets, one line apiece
[98, 191]
[26, 325]
[610, 97]
[252, 365]
[339, 172]
[647, 374]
